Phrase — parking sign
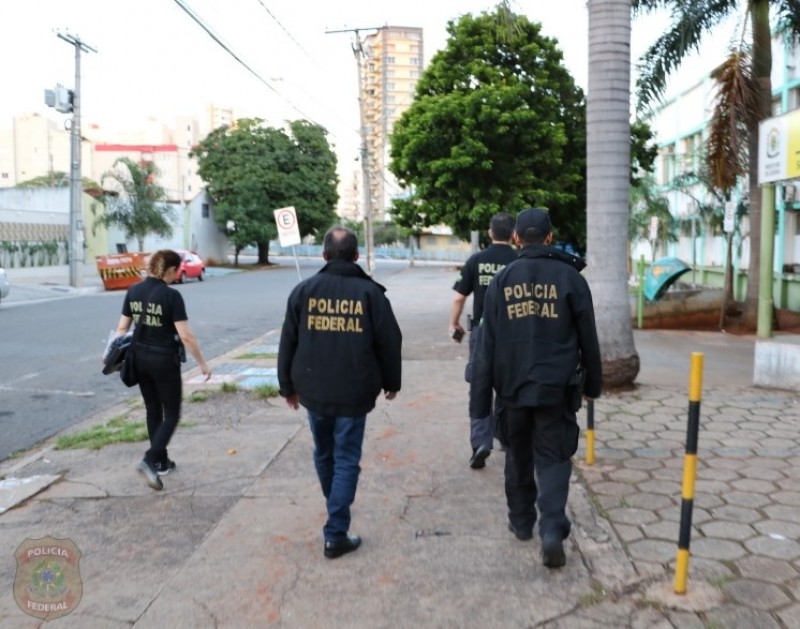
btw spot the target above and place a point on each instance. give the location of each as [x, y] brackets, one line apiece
[288, 229]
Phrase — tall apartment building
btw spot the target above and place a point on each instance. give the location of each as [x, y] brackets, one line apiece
[392, 66]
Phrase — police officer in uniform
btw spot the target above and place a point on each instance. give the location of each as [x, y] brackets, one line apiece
[537, 328]
[340, 346]
[159, 309]
[476, 274]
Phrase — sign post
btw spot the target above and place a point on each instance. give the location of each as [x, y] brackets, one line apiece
[288, 231]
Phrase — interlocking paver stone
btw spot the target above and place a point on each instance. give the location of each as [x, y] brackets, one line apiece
[766, 569]
[779, 527]
[787, 498]
[736, 514]
[715, 548]
[771, 547]
[744, 499]
[728, 530]
[739, 617]
[757, 594]
[626, 515]
[653, 550]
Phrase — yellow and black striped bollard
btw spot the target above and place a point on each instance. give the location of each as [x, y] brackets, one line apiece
[589, 432]
[689, 473]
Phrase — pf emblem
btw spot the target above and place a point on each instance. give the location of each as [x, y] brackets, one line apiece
[48, 580]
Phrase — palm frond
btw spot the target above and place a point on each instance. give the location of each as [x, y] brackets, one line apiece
[787, 13]
[690, 21]
[736, 105]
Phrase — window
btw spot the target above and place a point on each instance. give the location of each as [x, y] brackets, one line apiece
[206, 211]
[389, 59]
[667, 163]
[414, 74]
[414, 61]
[4, 176]
[390, 86]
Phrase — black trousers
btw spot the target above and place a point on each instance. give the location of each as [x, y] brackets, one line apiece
[162, 389]
[541, 442]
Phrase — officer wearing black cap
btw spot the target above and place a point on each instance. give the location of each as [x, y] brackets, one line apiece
[538, 348]
[476, 274]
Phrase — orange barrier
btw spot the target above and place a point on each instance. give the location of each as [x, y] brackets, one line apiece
[120, 270]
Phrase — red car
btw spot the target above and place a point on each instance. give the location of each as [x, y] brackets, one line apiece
[192, 266]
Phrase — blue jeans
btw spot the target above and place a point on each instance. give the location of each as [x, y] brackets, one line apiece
[337, 454]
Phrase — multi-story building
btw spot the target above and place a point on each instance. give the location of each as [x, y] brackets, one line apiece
[681, 126]
[392, 66]
[37, 146]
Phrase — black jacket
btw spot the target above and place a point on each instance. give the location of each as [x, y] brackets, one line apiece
[340, 342]
[537, 327]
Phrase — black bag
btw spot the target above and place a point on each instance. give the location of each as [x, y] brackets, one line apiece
[127, 372]
[575, 390]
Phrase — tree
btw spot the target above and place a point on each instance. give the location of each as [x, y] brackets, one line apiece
[691, 21]
[497, 124]
[608, 170]
[646, 204]
[252, 169]
[139, 209]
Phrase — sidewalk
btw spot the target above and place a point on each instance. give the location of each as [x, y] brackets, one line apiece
[234, 539]
[49, 282]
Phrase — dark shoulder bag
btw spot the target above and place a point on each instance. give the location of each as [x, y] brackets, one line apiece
[127, 372]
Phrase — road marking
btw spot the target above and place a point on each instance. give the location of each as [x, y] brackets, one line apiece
[48, 391]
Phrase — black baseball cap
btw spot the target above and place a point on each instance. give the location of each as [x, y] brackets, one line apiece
[534, 218]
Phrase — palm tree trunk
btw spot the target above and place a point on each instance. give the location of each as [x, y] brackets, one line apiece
[762, 69]
[608, 170]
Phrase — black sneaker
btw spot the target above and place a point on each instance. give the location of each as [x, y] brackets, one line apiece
[337, 549]
[148, 470]
[165, 467]
[553, 551]
[521, 535]
[478, 459]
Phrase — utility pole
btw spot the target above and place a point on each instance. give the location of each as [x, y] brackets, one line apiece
[358, 52]
[76, 257]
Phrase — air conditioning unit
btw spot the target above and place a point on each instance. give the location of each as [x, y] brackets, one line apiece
[789, 193]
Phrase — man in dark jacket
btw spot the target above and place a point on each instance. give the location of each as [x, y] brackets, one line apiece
[339, 347]
[474, 279]
[537, 347]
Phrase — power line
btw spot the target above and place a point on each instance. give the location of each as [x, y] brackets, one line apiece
[190, 12]
[297, 43]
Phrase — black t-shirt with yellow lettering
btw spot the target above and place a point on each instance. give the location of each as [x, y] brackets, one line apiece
[478, 271]
[164, 306]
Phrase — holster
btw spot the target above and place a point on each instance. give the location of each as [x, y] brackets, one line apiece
[574, 391]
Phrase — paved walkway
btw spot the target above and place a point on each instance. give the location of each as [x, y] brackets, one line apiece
[234, 539]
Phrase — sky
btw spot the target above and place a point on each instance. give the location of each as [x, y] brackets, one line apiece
[153, 59]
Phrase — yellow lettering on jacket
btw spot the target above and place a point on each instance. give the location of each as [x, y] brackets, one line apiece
[325, 305]
[333, 323]
[531, 300]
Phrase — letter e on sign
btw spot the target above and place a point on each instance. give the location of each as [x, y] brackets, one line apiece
[288, 229]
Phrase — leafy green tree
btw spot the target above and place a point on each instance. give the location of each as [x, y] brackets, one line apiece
[690, 23]
[252, 169]
[139, 208]
[497, 124]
